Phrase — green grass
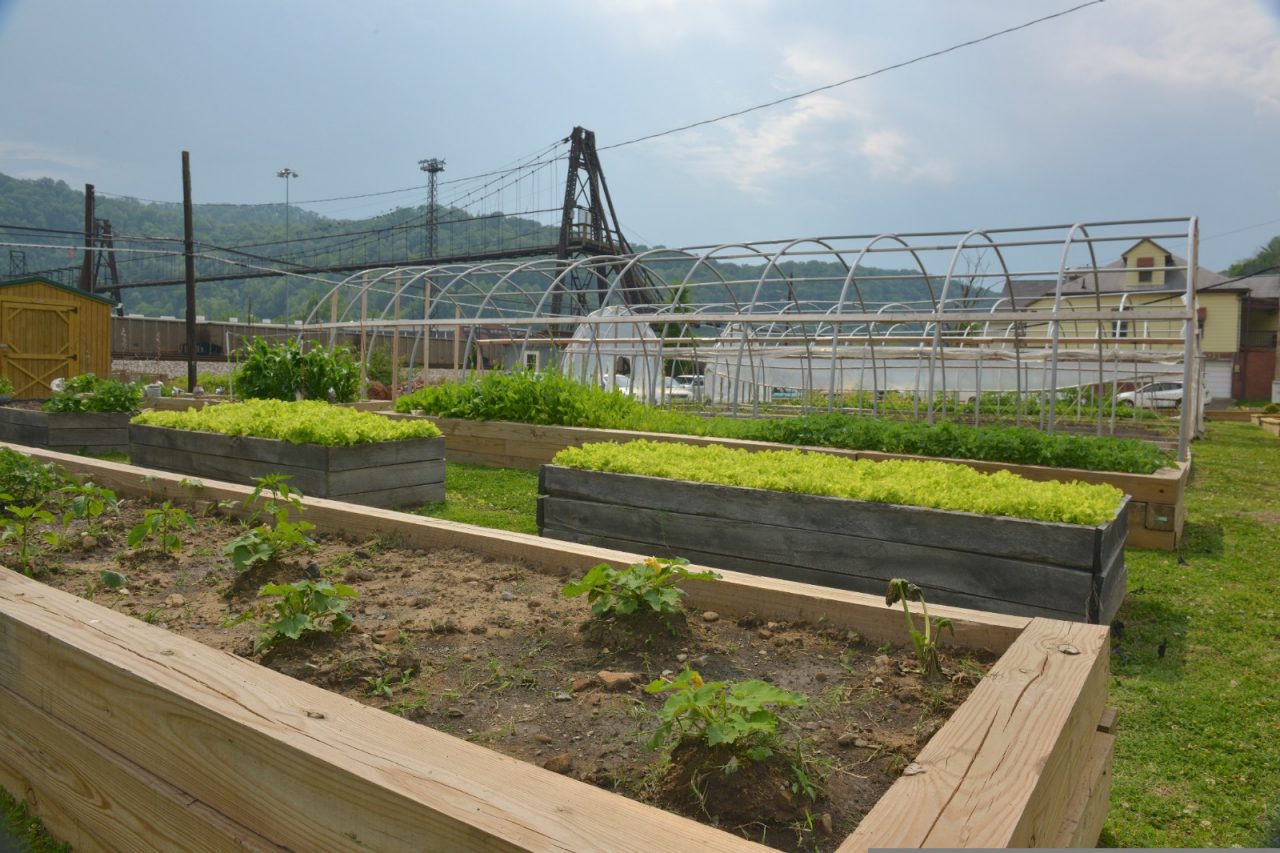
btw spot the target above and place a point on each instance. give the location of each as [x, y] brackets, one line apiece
[1198, 754]
[502, 498]
[21, 832]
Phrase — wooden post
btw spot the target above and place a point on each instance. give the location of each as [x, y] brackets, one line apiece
[189, 251]
[457, 340]
[395, 341]
[426, 330]
[333, 318]
[86, 267]
[364, 340]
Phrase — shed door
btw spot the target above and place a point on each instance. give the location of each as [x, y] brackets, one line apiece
[38, 344]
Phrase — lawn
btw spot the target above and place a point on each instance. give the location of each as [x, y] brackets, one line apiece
[1195, 667]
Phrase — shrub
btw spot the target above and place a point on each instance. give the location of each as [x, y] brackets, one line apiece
[282, 371]
[938, 485]
[303, 422]
[89, 393]
[6, 387]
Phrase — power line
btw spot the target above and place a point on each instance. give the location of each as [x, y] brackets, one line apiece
[865, 76]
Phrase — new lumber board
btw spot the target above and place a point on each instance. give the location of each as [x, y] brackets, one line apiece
[999, 773]
[92, 798]
[305, 768]
[335, 763]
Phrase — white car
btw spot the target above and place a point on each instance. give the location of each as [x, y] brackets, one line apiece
[1157, 395]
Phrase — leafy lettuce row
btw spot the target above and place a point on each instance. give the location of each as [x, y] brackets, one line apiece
[938, 485]
[303, 422]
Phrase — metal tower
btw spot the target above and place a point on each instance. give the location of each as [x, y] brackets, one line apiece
[432, 167]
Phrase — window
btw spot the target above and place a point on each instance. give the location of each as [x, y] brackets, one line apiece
[531, 361]
[622, 366]
[1144, 275]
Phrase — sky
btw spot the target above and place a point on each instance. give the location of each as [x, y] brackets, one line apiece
[1123, 109]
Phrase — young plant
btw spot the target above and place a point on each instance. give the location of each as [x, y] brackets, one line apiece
[76, 502]
[304, 607]
[273, 533]
[926, 641]
[646, 587]
[162, 525]
[734, 714]
[21, 527]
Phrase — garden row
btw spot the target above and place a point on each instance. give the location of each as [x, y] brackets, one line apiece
[202, 749]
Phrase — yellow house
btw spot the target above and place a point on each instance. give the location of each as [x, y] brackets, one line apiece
[1237, 320]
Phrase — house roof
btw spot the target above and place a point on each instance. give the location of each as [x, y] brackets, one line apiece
[35, 279]
[1114, 278]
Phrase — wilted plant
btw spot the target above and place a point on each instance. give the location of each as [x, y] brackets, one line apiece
[926, 641]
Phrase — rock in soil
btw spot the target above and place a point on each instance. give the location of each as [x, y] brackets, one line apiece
[561, 763]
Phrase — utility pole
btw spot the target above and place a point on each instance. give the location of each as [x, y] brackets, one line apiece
[432, 167]
[86, 268]
[189, 247]
[288, 174]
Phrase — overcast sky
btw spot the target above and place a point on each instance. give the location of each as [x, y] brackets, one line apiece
[1130, 108]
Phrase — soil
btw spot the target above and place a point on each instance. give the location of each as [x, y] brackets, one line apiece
[490, 651]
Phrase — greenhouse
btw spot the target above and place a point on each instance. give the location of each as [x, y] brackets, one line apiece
[1042, 326]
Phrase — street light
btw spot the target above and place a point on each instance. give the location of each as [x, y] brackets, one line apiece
[286, 173]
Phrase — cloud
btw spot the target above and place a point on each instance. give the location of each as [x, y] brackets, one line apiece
[1203, 44]
[824, 133]
[28, 159]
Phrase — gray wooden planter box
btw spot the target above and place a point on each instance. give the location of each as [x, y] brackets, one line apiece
[95, 432]
[385, 474]
[1005, 565]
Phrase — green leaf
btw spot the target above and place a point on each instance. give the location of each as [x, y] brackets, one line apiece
[113, 580]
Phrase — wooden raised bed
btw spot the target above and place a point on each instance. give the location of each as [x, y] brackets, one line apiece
[387, 474]
[1157, 502]
[1006, 565]
[150, 740]
[94, 432]
[1271, 425]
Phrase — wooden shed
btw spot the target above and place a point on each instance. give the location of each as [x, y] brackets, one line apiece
[49, 330]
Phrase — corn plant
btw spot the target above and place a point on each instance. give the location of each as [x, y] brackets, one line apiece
[925, 641]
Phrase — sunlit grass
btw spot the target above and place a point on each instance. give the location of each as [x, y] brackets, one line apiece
[1198, 755]
[501, 498]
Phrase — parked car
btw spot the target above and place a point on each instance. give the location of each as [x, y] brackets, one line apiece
[1157, 395]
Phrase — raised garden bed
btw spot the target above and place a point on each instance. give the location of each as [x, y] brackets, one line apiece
[155, 739]
[240, 442]
[1006, 565]
[1157, 507]
[92, 432]
[1271, 425]
[387, 474]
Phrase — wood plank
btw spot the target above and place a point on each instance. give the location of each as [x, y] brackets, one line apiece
[988, 776]
[1087, 810]
[238, 446]
[1072, 545]
[738, 594]
[93, 799]
[383, 478]
[871, 586]
[1110, 587]
[412, 496]
[378, 454]
[218, 466]
[867, 564]
[337, 773]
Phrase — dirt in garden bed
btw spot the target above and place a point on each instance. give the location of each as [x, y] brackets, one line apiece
[491, 652]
